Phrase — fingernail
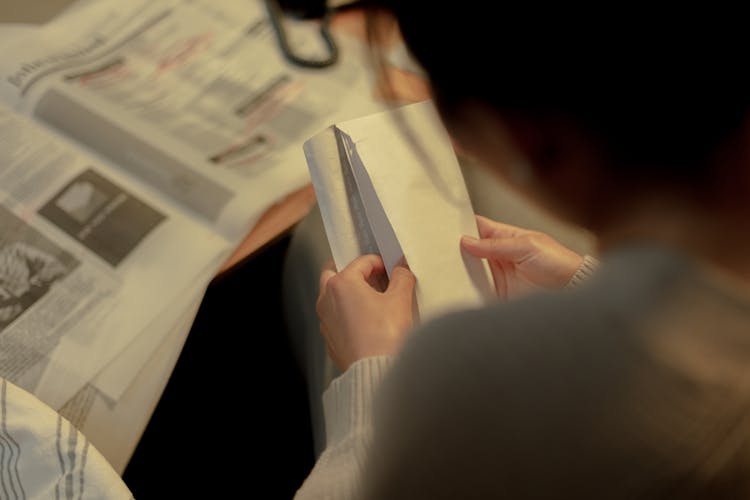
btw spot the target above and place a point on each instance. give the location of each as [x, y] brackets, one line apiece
[468, 239]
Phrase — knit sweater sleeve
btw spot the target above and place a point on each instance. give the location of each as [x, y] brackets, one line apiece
[347, 406]
[584, 272]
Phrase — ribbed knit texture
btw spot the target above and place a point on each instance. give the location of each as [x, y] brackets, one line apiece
[588, 268]
[347, 405]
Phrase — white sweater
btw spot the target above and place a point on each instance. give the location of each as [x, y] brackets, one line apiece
[347, 405]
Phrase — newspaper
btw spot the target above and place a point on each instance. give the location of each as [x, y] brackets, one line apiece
[96, 415]
[198, 88]
[140, 142]
[88, 259]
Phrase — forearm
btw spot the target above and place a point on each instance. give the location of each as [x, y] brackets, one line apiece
[347, 405]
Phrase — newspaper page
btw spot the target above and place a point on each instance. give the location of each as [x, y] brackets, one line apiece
[192, 97]
[88, 259]
[115, 378]
[95, 414]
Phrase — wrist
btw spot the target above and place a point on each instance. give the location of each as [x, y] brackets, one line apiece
[347, 403]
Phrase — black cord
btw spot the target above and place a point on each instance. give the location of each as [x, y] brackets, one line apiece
[277, 20]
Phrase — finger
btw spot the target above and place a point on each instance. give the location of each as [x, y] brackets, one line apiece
[509, 249]
[402, 281]
[332, 354]
[326, 274]
[366, 265]
[402, 262]
[489, 228]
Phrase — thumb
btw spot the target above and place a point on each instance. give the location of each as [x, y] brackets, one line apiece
[402, 281]
[508, 249]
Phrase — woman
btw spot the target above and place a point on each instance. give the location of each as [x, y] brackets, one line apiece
[633, 384]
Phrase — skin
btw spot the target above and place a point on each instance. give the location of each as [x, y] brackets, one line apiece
[356, 319]
[568, 177]
[521, 260]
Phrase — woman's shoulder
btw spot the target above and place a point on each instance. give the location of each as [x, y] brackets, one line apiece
[594, 328]
[628, 285]
[559, 393]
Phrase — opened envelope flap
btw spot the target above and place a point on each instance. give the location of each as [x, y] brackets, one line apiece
[381, 228]
[343, 216]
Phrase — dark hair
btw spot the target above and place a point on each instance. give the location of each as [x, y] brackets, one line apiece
[660, 97]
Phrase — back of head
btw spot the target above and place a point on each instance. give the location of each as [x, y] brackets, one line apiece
[658, 91]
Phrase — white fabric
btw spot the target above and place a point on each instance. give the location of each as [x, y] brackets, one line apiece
[587, 269]
[347, 404]
[43, 456]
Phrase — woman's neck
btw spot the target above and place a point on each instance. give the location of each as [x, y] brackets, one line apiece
[718, 235]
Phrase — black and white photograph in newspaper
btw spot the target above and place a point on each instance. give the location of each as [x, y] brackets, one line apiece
[29, 265]
[102, 216]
